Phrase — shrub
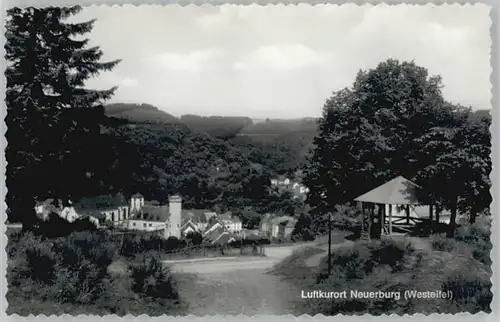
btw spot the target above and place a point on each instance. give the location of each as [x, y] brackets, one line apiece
[150, 278]
[470, 292]
[389, 252]
[477, 236]
[428, 227]
[349, 262]
[442, 243]
[35, 260]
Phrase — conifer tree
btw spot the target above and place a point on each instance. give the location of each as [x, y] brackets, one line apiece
[53, 120]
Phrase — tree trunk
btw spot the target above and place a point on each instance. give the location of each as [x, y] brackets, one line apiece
[453, 218]
[473, 214]
[431, 215]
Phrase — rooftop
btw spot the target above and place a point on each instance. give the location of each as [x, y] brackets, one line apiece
[398, 191]
[99, 203]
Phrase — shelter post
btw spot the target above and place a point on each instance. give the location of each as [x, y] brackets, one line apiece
[362, 216]
[380, 215]
[407, 208]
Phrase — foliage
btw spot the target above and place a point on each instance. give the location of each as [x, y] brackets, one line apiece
[160, 160]
[303, 230]
[392, 266]
[442, 243]
[394, 121]
[71, 274]
[150, 278]
[222, 127]
[132, 244]
[139, 113]
[470, 292]
[195, 238]
[52, 119]
[55, 226]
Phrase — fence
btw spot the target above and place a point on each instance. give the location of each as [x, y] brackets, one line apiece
[209, 251]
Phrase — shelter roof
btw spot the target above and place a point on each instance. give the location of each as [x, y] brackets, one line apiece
[398, 191]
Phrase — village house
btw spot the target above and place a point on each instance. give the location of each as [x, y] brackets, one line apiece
[99, 209]
[150, 216]
[281, 180]
[232, 224]
[277, 226]
[216, 233]
[141, 215]
[106, 209]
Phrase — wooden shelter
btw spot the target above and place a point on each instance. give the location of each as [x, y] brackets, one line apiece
[377, 207]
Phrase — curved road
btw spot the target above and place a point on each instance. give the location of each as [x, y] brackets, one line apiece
[238, 285]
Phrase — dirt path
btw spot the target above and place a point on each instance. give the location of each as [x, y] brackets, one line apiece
[315, 260]
[236, 286]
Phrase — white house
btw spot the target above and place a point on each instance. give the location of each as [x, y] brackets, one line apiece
[69, 214]
[152, 217]
[112, 209]
[280, 181]
[45, 208]
[230, 223]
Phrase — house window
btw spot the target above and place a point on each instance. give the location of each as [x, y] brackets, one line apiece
[150, 225]
[133, 224]
[178, 225]
[145, 225]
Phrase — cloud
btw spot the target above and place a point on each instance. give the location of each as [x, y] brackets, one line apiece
[192, 61]
[281, 57]
[129, 82]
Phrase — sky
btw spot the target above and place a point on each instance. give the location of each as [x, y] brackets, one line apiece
[282, 61]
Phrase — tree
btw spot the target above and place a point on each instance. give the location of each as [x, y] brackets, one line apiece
[54, 146]
[195, 238]
[458, 179]
[394, 121]
[303, 230]
[369, 133]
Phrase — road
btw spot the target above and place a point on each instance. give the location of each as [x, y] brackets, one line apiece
[236, 285]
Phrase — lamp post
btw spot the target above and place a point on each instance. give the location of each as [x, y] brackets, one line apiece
[329, 243]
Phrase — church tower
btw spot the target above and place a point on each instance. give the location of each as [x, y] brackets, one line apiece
[175, 209]
[136, 203]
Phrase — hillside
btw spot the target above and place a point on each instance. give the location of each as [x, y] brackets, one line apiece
[280, 145]
[218, 126]
[139, 113]
[162, 158]
[280, 127]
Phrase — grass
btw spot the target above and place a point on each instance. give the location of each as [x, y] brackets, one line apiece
[399, 265]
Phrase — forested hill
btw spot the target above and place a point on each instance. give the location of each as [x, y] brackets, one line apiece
[223, 127]
[160, 158]
[139, 113]
[280, 145]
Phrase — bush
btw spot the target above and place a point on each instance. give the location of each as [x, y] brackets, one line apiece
[390, 252]
[428, 227]
[470, 292]
[150, 278]
[442, 243]
[33, 260]
[70, 274]
[477, 236]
